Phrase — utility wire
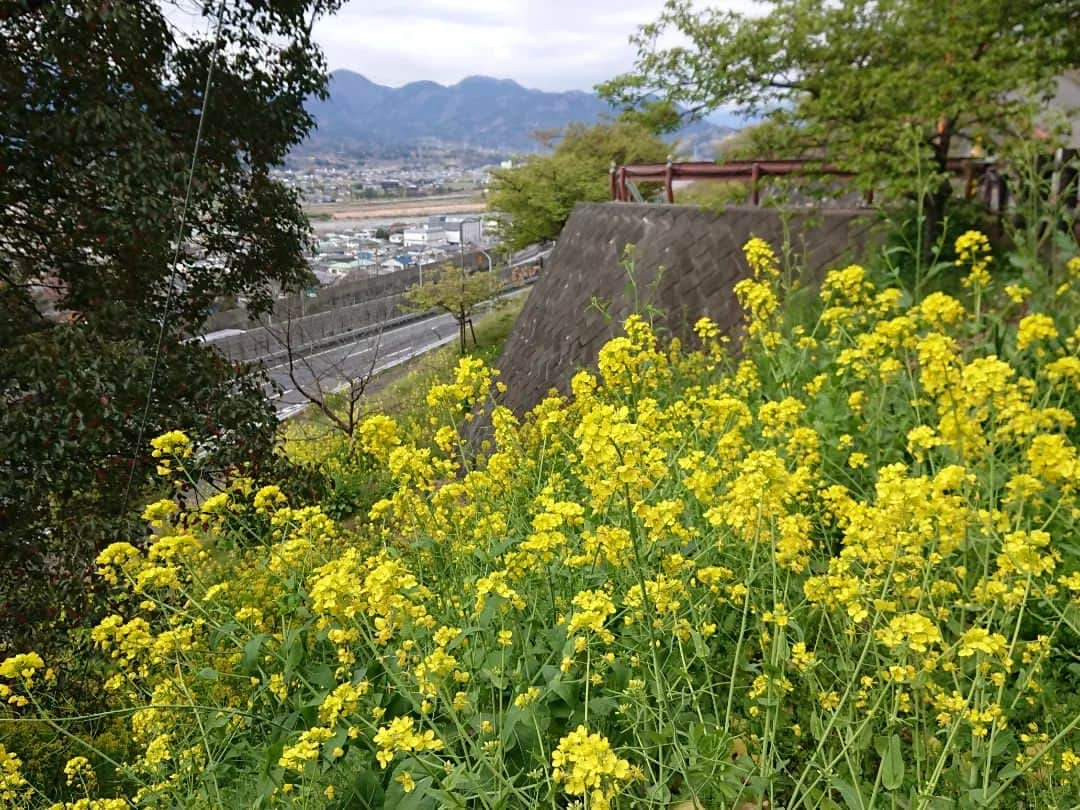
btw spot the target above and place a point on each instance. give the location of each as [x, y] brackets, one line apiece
[176, 257]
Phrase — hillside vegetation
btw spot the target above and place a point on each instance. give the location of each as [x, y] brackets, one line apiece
[834, 568]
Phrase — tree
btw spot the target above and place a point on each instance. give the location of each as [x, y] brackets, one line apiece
[534, 200]
[331, 381]
[854, 80]
[100, 286]
[457, 291]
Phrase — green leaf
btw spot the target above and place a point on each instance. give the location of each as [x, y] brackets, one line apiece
[980, 797]
[852, 797]
[294, 650]
[249, 663]
[558, 686]
[892, 761]
[1002, 743]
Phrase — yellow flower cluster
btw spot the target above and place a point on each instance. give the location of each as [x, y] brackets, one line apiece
[592, 610]
[170, 447]
[586, 766]
[379, 436]
[1035, 328]
[917, 633]
[973, 252]
[296, 757]
[12, 784]
[400, 736]
[79, 770]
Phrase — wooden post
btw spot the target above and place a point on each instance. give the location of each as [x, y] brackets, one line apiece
[969, 180]
[669, 191]
[611, 181]
[755, 176]
[622, 184]
[869, 196]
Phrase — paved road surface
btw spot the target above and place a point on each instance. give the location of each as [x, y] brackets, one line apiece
[333, 366]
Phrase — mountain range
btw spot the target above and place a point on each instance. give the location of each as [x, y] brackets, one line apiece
[478, 112]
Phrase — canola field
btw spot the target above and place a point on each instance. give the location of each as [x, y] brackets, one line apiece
[832, 563]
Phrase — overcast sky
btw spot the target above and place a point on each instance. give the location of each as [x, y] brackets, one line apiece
[548, 45]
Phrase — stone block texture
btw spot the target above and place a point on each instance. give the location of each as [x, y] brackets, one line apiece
[685, 263]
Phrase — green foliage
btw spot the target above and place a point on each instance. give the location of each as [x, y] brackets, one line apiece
[1043, 231]
[65, 441]
[535, 199]
[658, 117]
[715, 195]
[843, 80]
[455, 290]
[101, 110]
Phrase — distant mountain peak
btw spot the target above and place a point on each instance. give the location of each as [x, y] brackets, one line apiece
[487, 81]
[481, 111]
[351, 76]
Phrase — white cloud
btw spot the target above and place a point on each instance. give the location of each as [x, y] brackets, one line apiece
[553, 45]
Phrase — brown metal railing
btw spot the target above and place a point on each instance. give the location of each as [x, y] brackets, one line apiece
[972, 170]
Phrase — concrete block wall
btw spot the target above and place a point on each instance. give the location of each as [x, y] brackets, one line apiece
[262, 342]
[560, 332]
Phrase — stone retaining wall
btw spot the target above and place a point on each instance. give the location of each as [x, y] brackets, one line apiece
[560, 329]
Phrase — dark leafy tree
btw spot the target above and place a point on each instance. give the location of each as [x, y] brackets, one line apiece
[99, 288]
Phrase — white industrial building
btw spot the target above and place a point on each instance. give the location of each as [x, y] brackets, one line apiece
[423, 236]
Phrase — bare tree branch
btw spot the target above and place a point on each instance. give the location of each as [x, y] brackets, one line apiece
[325, 379]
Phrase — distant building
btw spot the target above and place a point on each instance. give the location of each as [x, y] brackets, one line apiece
[465, 232]
[471, 232]
[343, 268]
[423, 235]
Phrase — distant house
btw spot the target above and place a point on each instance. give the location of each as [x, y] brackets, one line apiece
[430, 257]
[343, 268]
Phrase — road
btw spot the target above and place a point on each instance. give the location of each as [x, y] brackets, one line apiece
[333, 367]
